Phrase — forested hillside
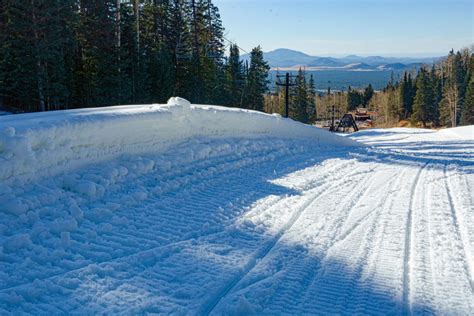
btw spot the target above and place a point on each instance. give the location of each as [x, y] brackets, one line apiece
[441, 95]
[435, 96]
[83, 53]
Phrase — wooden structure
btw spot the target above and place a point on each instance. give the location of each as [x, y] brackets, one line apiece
[347, 122]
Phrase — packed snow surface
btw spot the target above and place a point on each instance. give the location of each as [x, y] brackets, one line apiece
[187, 209]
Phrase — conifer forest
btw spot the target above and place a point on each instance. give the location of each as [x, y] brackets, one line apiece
[82, 53]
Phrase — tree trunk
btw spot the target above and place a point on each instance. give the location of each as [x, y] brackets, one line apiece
[39, 65]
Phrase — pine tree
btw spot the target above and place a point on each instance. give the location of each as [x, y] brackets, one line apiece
[256, 81]
[368, 94]
[423, 99]
[406, 96]
[76, 53]
[354, 99]
[299, 102]
[36, 50]
[312, 99]
[436, 84]
[234, 72]
[467, 115]
[157, 60]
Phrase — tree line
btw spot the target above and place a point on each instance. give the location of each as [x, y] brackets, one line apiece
[434, 96]
[87, 53]
[302, 98]
[440, 95]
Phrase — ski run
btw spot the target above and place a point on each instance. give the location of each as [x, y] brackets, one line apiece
[187, 209]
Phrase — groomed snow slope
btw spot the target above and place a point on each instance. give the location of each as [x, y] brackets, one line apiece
[220, 211]
[45, 143]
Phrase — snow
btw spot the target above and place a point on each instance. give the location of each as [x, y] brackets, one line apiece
[42, 144]
[196, 209]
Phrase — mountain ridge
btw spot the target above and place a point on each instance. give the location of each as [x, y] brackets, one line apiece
[293, 59]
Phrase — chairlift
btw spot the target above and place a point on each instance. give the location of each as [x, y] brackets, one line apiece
[347, 122]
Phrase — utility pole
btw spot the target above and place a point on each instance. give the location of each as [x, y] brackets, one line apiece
[333, 128]
[287, 86]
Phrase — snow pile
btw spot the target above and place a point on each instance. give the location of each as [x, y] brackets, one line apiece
[231, 220]
[397, 135]
[462, 133]
[41, 144]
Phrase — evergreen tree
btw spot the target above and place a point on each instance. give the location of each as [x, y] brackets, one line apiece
[256, 81]
[36, 51]
[368, 94]
[406, 96]
[234, 79]
[76, 53]
[467, 115]
[354, 99]
[300, 99]
[436, 84]
[424, 99]
[312, 99]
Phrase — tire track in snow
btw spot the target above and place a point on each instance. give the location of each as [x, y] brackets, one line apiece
[215, 167]
[406, 299]
[209, 306]
[329, 282]
[452, 287]
[422, 288]
[305, 268]
[208, 181]
[460, 230]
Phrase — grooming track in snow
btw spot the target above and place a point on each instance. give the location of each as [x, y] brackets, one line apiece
[188, 209]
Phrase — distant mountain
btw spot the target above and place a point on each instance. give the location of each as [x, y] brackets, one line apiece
[291, 59]
[324, 62]
[394, 66]
[400, 66]
[358, 66]
[285, 58]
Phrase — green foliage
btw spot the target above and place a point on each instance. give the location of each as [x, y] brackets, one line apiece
[80, 53]
[367, 96]
[424, 100]
[36, 48]
[300, 100]
[467, 115]
[257, 81]
[354, 99]
[407, 94]
[311, 109]
[439, 96]
[234, 78]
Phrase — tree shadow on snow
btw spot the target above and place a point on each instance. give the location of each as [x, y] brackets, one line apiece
[181, 252]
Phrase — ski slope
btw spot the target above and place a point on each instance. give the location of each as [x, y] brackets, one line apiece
[189, 209]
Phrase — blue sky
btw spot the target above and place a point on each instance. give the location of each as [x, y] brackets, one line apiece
[341, 27]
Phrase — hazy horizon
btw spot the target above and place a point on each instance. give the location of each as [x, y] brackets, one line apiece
[337, 28]
[389, 55]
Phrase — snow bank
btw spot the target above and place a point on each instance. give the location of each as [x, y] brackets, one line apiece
[463, 132]
[41, 144]
[373, 136]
